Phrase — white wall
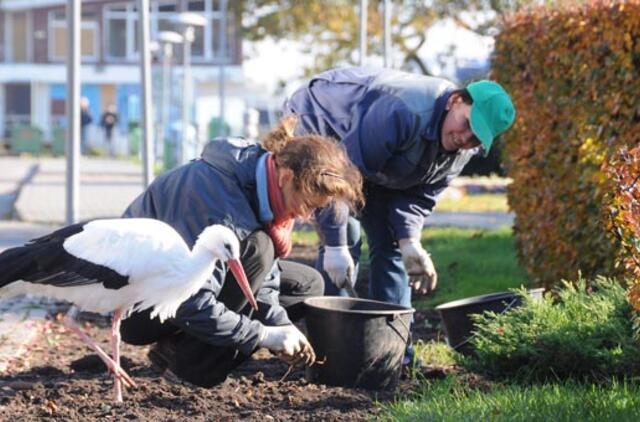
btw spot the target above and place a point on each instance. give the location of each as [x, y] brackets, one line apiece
[40, 108]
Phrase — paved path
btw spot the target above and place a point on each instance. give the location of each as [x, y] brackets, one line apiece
[19, 316]
[481, 220]
[14, 172]
[106, 188]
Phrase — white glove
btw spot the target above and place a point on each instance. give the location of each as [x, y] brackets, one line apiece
[338, 265]
[288, 341]
[417, 262]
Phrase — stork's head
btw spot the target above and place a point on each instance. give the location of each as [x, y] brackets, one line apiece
[221, 242]
[224, 245]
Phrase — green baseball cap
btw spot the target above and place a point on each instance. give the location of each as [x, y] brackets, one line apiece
[492, 111]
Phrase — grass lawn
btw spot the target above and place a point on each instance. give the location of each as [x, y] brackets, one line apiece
[484, 202]
[471, 262]
[454, 400]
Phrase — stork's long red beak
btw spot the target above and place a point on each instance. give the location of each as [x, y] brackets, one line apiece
[238, 272]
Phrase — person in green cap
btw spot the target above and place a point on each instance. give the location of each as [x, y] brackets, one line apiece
[409, 135]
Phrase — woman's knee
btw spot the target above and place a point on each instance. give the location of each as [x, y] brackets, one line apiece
[257, 254]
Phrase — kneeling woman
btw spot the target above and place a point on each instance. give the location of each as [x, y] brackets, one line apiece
[257, 190]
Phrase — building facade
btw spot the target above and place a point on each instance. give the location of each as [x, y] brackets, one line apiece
[33, 48]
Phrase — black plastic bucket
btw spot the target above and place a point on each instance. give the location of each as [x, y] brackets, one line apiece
[358, 342]
[456, 315]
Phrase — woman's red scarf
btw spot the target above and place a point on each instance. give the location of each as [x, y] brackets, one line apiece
[281, 227]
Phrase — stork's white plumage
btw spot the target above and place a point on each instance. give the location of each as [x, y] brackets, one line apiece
[120, 265]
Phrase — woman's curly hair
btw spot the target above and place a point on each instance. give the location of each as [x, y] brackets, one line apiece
[320, 164]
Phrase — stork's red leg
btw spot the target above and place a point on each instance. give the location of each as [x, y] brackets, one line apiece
[70, 324]
[115, 344]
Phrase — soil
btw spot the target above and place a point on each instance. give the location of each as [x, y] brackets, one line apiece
[59, 378]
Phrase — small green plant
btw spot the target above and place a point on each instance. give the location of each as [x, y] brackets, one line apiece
[435, 353]
[585, 333]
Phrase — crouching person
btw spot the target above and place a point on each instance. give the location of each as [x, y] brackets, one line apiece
[257, 190]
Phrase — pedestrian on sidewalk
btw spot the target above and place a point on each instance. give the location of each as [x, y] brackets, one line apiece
[409, 135]
[85, 121]
[108, 121]
[256, 190]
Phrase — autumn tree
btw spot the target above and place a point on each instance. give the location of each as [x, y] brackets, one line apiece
[329, 28]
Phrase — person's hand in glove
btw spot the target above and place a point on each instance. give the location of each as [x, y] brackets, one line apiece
[422, 274]
[338, 265]
[288, 343]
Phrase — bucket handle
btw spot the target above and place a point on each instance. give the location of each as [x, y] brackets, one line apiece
[395, 317]
[465, 341]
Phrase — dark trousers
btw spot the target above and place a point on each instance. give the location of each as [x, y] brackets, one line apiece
[204, 364]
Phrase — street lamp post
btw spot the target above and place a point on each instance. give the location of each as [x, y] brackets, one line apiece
[187, 21]
[166, 40]
[223, 56]
[73, 12]
[145, 82]
[387, 33]
[364, 4]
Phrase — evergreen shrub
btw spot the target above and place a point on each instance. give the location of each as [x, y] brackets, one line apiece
[584, 331]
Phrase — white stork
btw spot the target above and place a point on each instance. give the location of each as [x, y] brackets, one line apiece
[120, 265]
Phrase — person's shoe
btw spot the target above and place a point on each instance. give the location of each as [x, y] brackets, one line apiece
[162, 355]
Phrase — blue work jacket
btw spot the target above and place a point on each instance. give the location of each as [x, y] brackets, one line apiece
[219, 188]
[389, 121]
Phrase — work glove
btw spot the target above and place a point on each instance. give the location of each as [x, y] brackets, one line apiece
[417, 262]
[288, 343]
[338, 265]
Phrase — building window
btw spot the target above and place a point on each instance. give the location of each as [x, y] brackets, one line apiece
[18, 35]
[121, 31]
[161, 15]
[117, 39]
[206, 45]
[230, 38]
[58, 36]
[17, 106]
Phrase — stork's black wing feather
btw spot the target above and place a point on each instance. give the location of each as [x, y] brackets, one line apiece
[59, 235]
[44, 260]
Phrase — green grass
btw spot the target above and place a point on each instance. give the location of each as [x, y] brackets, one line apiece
[471, 262]
[436, 353]
[304, 237]
[485, 202]
[453, 400]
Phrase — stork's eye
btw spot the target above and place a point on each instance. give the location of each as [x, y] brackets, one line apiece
[227, 246]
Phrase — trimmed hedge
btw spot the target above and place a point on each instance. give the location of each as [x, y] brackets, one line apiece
[573, 74]
[623, 172]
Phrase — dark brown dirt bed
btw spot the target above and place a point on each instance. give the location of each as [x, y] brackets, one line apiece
[59, 378]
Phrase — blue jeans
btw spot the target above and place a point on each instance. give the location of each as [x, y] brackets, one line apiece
[388, 280]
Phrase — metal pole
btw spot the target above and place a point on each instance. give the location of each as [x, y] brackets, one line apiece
[167, 52]
[73, 110]
[186, 85]
[145, 80]
[387, 33]
[364, 4]
[223, 57]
